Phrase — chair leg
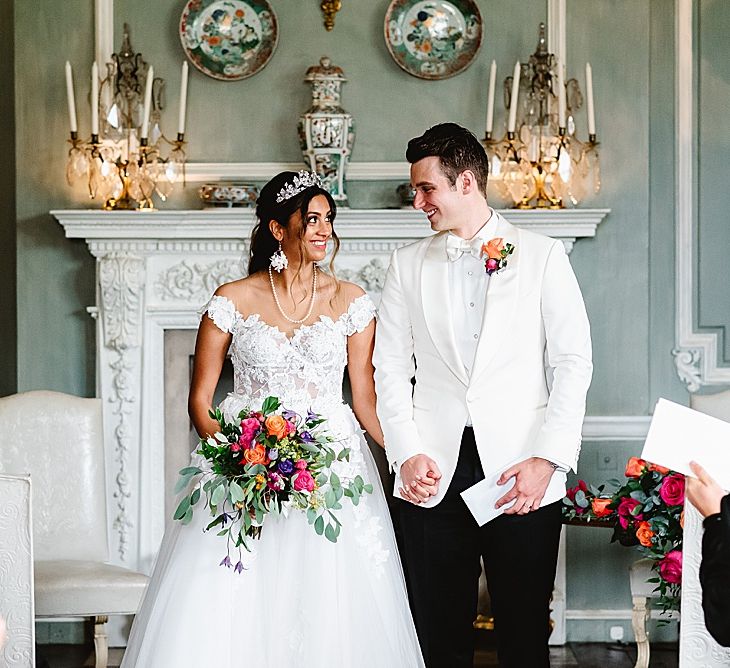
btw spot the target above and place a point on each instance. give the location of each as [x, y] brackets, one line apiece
[101, 645]
[639, 617]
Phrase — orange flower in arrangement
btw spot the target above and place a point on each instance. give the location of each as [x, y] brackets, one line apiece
[600, 507]
[277, 426]
[634, 467]
[644, 534]
[260, 480]
[495, 253]
[256, 455]
[659, 469]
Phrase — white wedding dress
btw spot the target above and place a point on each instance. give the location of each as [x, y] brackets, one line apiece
[301, 600]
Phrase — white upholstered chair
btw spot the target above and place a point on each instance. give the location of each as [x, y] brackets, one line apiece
[17, 629]
[58, 439]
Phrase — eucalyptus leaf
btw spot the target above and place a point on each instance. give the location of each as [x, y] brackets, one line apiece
[235, 491]
[190, 470]
[330, 534]
[182, 508]
[319, 525]
[182, 483]
[195, 496]
[219, 493]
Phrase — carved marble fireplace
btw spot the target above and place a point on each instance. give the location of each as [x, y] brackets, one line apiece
[154, 271]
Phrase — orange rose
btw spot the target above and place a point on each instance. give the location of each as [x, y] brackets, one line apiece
[659, 469]
[600, 507]
[493, 249]
[276, 426]
[634, 467]
[256, 455]
[644, 534]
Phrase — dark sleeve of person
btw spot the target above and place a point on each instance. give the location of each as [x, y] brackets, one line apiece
[715, 573]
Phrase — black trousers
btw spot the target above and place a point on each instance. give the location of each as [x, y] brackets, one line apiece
[441, 549]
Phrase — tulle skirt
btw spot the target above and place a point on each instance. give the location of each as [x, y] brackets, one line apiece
[301, 600]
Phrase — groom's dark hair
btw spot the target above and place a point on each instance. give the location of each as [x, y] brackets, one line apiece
[456, 148]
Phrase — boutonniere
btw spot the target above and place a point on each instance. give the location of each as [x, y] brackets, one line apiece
[495, 253]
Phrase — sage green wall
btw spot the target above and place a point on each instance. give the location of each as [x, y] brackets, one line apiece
[8, 320]
[626, 272]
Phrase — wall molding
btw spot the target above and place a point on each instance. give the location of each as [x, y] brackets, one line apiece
[696, 352]
[616, 427]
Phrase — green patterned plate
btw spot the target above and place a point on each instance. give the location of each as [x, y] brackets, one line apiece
[228, 39]
[433, 39]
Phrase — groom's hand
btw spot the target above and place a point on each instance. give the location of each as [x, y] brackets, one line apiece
[420, 476]
[531, 480]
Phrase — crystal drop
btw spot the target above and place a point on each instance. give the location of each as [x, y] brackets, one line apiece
[113, 117]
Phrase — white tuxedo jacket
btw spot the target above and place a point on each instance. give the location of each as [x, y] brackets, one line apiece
[526, 393]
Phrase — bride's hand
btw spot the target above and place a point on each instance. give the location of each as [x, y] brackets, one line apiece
[420, 476]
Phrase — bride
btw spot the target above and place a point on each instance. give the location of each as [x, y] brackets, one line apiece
[291, 328]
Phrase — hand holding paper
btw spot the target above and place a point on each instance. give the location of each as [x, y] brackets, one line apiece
[679, 434]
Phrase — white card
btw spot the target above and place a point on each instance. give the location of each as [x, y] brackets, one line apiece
[480, 498]
[678, 434]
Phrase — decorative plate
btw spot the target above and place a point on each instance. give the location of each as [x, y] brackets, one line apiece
[433, 39]
[228, 39]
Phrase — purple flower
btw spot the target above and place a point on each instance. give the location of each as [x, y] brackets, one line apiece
[273, 453]
[275, 482]
[286, 466]
[311, 416]
[289, 415]
[306, 437]
[239, 567]
[226, 562]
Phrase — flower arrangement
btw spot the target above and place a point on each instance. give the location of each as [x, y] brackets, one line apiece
[267, 461]
[647, 512]
[495, 252]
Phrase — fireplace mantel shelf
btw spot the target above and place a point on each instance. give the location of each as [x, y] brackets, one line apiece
[234, 224]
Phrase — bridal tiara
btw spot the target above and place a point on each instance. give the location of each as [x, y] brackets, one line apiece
[302, 181]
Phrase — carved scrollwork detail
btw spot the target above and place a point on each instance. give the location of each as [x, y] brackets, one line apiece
[120, 283]
[370, 277]
[196, 282]
[121, 279]
[688, 362]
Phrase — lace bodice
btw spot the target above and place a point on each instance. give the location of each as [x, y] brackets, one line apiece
[304, 370]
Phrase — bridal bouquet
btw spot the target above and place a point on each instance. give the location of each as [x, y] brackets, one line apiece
[648, 512]
[267, 461]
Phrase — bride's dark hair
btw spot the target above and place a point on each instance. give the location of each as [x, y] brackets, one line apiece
[263, 242]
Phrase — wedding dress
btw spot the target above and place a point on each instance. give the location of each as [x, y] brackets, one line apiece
[301, 600]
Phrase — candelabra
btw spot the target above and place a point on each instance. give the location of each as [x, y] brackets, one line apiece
[540, 162]
[124, 165]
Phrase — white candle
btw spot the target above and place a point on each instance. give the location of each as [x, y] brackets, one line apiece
[589, 95]
[513, 99]
[70, 98]
[561, 96]
[95, 99]
[147, 103]
[490, 97]
[183, 99]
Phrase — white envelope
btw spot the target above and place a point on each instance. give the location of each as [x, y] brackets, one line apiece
[480, 498]
[678, 434]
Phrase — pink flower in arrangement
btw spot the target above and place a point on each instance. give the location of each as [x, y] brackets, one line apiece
[235, 447]
[672, 490]
[300, 464]
[250, 427]
[303, 481]
[492, 265]
[572, 491]
[670, 568]
[624, 509]
[291, 428]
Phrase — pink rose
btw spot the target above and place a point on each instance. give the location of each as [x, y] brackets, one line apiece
[670, 568]
[290, 427]
[250, 427]
[626, 505]
[300, 464]
[303, 481]
[492, 264]
[672, 490]
[235, 447]
[572, 491]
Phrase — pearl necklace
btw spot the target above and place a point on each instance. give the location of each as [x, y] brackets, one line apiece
[311, 301]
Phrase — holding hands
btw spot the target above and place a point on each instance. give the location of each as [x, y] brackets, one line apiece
[532, 477]
[420, 476]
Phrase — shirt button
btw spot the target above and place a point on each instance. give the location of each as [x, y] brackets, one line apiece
[471, 304]
[470, 273]
[476, 336]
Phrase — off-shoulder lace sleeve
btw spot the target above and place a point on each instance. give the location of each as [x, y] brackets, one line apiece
[221, 311]
[359, 314]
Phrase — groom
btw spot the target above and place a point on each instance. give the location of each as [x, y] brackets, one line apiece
[490, 321]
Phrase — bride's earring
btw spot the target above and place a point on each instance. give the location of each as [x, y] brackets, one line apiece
[279, 261]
